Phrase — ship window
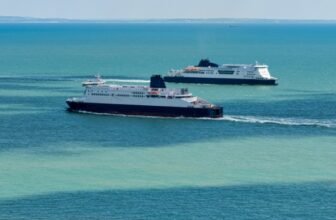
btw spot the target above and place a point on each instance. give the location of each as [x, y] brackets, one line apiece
[123, 95]
[225, 71]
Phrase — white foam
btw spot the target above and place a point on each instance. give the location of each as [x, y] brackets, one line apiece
[281, 121]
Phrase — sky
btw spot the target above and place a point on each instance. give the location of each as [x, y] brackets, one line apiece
[168, 9]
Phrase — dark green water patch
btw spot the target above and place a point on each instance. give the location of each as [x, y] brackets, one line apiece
[309, 201]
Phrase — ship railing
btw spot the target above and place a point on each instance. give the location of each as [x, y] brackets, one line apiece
[176, 91]
[175, 72]
[201, 103]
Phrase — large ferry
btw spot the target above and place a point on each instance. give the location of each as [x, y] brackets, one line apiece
[153, 100]
[211, 73]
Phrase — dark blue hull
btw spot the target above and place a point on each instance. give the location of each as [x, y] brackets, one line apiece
[215, 112]
[181, 79]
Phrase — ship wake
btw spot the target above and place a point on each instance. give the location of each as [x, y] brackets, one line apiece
[244, 119]
[280, 121]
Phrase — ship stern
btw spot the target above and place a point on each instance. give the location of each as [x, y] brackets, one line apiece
[216, 112]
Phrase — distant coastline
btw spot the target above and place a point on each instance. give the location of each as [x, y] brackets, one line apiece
[28, 20]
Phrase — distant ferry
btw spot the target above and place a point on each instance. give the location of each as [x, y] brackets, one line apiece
[211, 73]
[153, 100]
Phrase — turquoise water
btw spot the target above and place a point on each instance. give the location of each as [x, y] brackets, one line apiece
[271, 157]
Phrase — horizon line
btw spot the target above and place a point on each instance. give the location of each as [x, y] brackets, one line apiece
[21, 19]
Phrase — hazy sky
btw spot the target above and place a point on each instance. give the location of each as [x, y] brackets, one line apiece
[143, 9]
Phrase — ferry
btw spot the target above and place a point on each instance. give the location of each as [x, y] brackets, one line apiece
[211, 73]
[153, 100]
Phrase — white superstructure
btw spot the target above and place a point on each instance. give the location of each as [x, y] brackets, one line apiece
[207, 72]
[140, 95]
[155, 100]
[234, 71]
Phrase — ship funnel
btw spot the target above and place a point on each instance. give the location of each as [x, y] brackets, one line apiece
[206, 63]
[156, 81]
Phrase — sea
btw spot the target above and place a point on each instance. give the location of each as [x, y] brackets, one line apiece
[272, 155]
